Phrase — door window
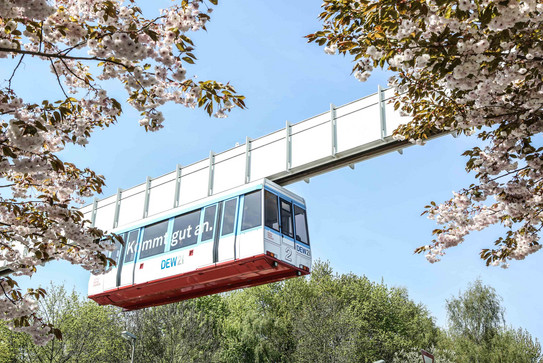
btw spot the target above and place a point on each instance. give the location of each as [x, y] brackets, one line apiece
[114, 255]
[207, 227]
[131, 244]
[229, 216]
[301, 225]
[271, 211]
[286, 218]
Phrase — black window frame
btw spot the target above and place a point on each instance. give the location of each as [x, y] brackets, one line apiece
[281, 200]
[277, 214]
[136, 245]
[223, 217]
[119, 247]
[203, 215]
[179, 244]
[305, 223]
[165, 242]
[259, 209]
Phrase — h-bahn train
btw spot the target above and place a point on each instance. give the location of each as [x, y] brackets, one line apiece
[244, 237]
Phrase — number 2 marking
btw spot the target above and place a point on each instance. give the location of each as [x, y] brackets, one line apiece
[288, 254]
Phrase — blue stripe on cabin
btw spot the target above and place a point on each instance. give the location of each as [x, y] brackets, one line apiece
[209, 202]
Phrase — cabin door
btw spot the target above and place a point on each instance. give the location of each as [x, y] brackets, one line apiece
[287, 231]
[126, 265]
[224, 243]
[110, 277]
[120, 259]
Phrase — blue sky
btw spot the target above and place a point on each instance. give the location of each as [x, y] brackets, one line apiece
[366, 221]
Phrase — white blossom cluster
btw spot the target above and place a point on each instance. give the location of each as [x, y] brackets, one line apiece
[25, 307]
[470, 67]
[36, 224]
[135, 39]
[31, 9]
[37, 220]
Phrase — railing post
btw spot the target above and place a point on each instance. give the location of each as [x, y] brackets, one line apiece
[117, 208]
[382, 112]
[94, 210]
[288, 139]
[177, 186]
[211, 169]
[333, 123]
[147, 194]
[247, 160]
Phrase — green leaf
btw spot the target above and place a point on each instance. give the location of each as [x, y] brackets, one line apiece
[7, 151]
[188, 60]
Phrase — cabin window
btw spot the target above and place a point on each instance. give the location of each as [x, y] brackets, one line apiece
[154, 239]
[229, 216]
[184, 230]
[131, 244]
[301, 225]
[118, 248]
[286, 218]
[271, 212]
[252, 211]
[209, 223]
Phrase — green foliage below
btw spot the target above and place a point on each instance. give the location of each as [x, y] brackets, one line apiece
[326, 317]
[90, 333]
[478, 333]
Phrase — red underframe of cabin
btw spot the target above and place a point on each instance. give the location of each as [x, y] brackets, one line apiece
[226, 276]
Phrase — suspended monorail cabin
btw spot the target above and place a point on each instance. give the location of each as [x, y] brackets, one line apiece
[243, 237]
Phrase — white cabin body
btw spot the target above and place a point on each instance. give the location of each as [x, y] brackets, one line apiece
[243, 237]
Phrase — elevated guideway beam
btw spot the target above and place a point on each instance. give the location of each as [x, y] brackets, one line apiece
[341, 161]
[340, 137]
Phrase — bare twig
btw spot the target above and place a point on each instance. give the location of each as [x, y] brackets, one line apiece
[2, 286]
[15, 70]
[78, 77]
[58, 79]
[41, 36]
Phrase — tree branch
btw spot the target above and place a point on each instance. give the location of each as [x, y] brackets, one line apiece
[68, 50]
[55, 55]
[58, 80]
[76, 76]
[15, 70]
[6, 295]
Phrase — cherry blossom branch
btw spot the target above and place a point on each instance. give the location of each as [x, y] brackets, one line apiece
[101, 36]
[5, 294]
[48, 226]
[54, 55]
[77, 76]
[463, 67]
